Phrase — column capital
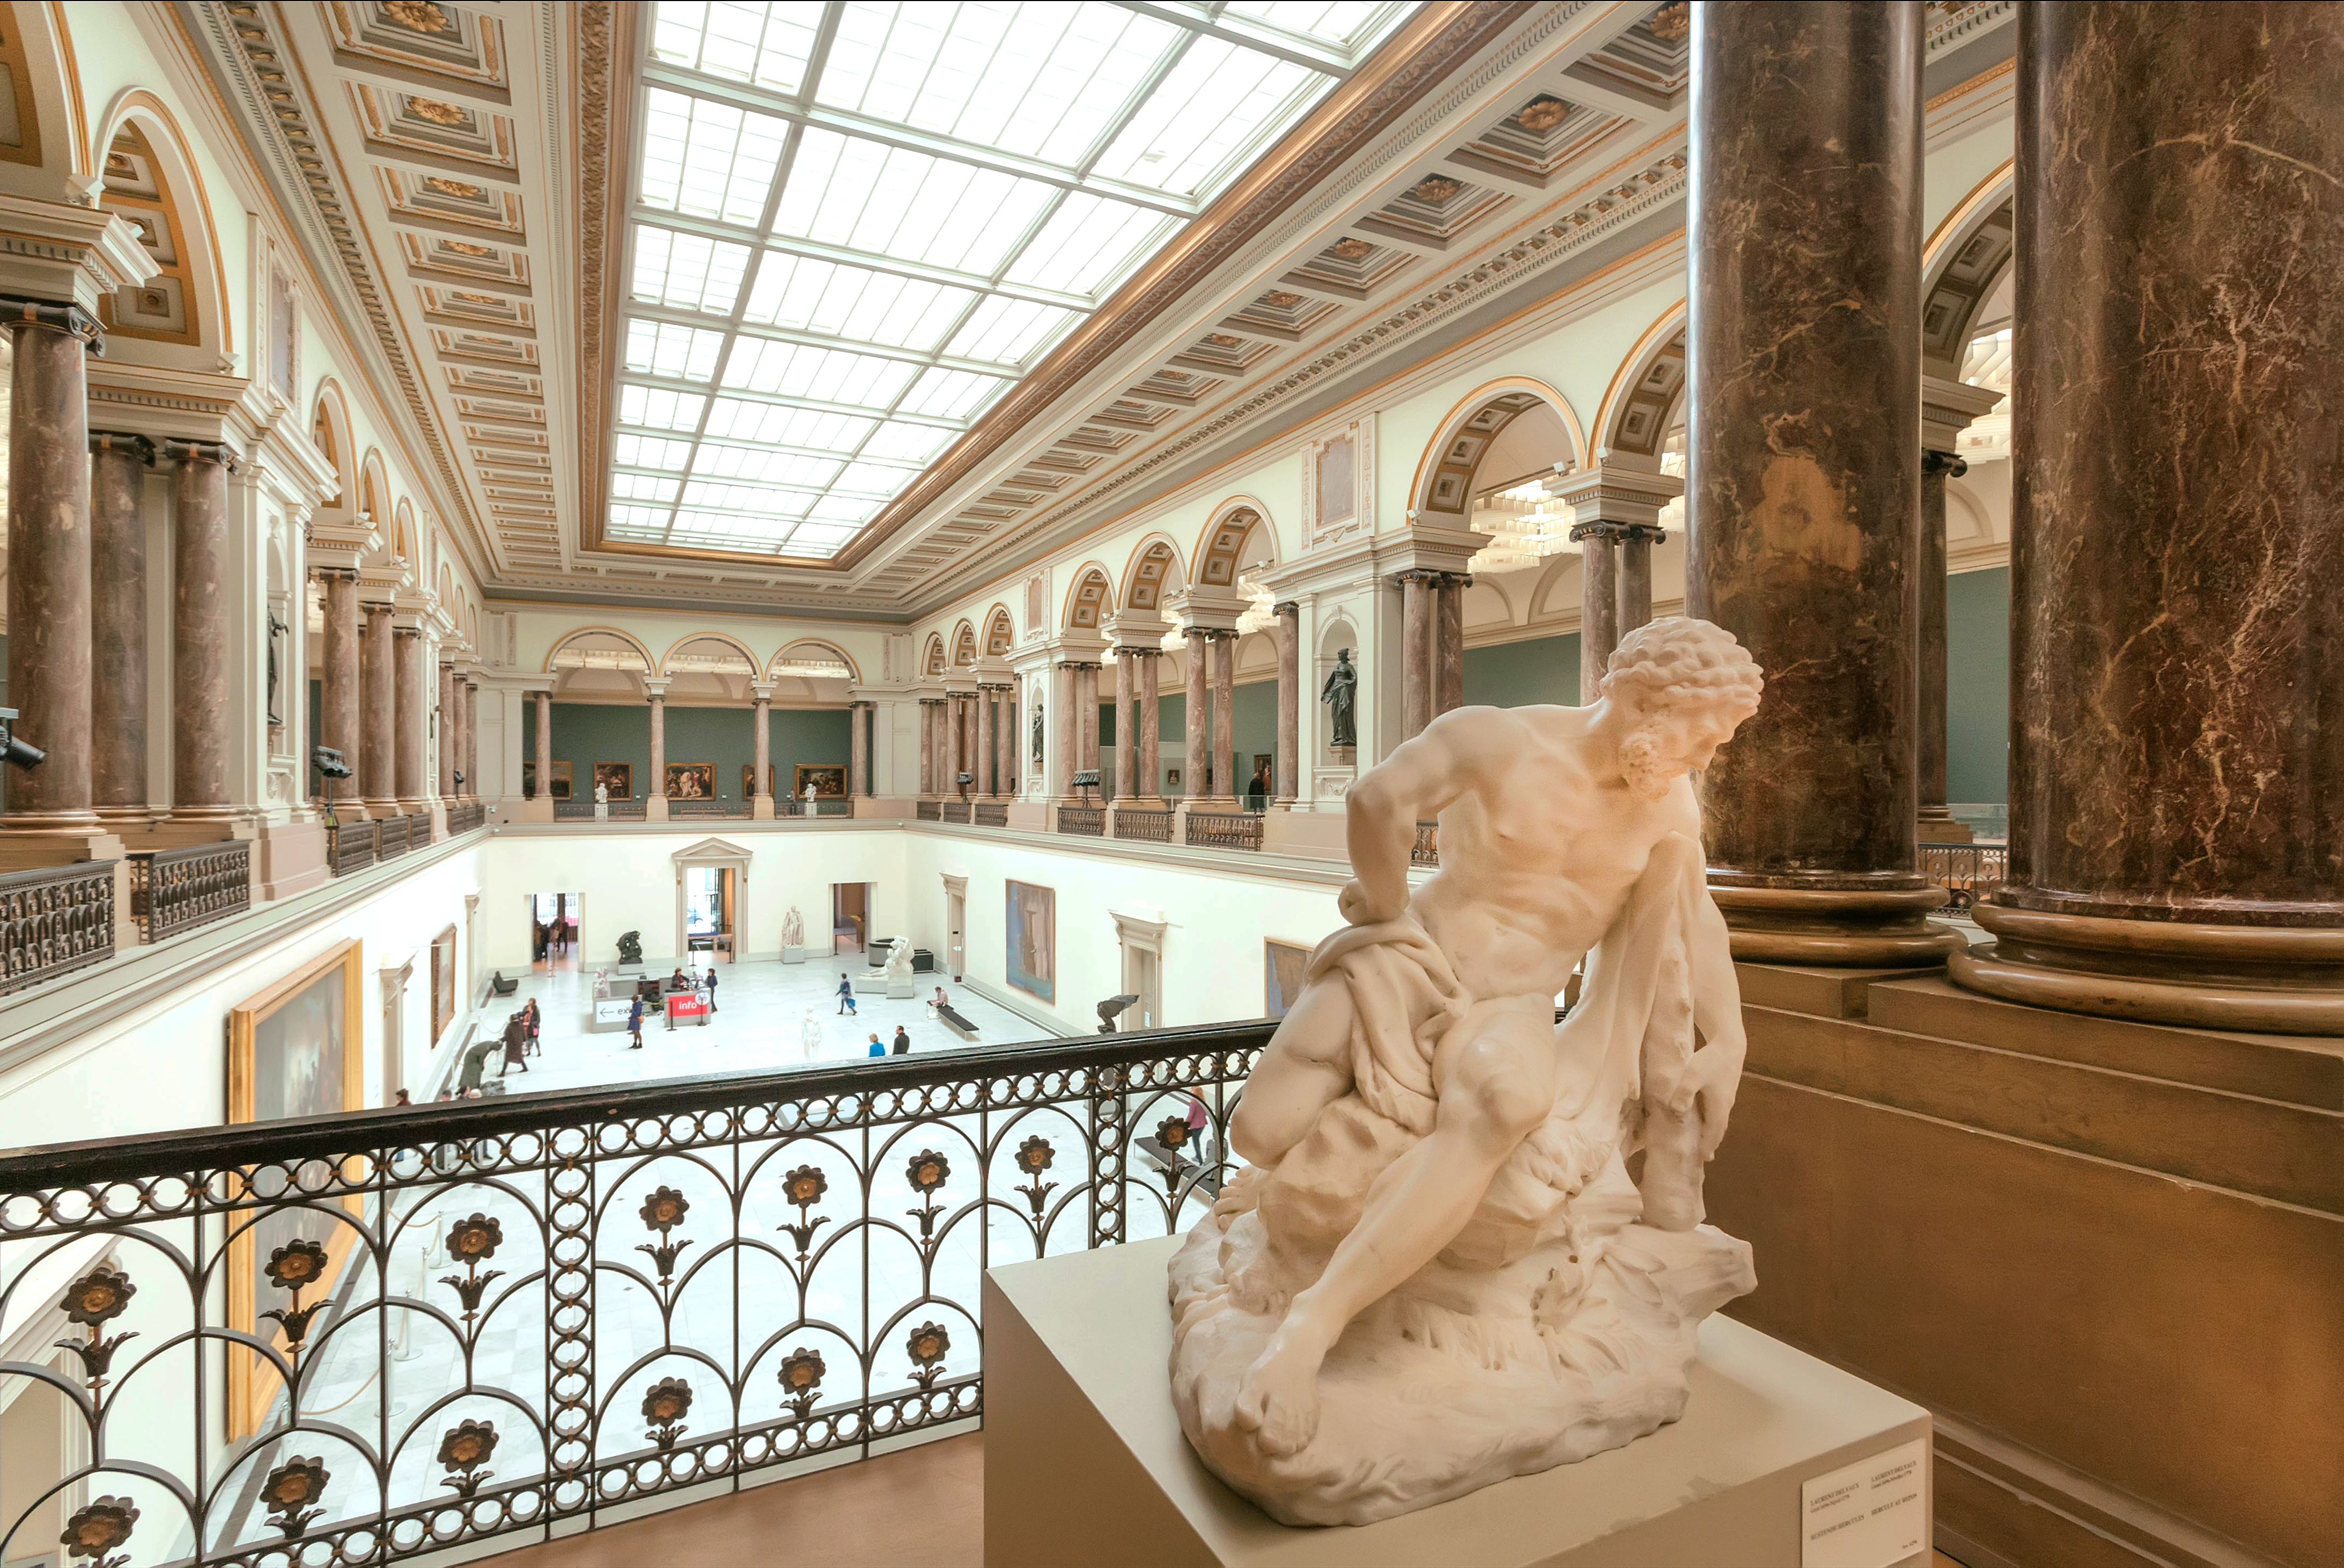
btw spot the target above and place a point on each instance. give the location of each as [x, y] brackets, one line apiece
[104, 442]
[219, 452]
[1951, 465]
[1949, 407]
[1139, 650]
[410, 633]
[1286, 606]
[70, 319]
[1617, 533]
[331, 574]
[656, 690]
[860, 702]
[1427, 577]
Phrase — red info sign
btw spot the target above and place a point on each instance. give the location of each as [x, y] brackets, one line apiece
[684, 1004]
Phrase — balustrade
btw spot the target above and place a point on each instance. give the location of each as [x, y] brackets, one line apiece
[467, 815]
[54, 921]
[391, 837]
[1143, 826]
[425, 1329]
[992, 814]
[175, 891]
[957, 811]
[1082, 821]
[1224, 830]
[350, 846]
[929, 811]
[1426, 852]
[1966, 871]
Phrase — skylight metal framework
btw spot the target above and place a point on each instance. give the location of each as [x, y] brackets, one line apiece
[855, 226]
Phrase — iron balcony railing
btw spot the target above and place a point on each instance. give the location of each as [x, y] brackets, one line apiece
[992, 814]
[175, 891]
[54, 921]
[1224, 830]
[1426, 849]
[391, 837]
[958, 811]
[1144, 826]
[359, 1339]
[680, 809]
[928, 811]
[467, 815]
[350, 847]
[1966, 871]
[1082, 821]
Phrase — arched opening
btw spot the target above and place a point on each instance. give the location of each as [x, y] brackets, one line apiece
[168, 307]
[1154, 575]
[963, 646]
[999, 634]
[1090, 600]
[329, 432]
[1489, 469]
[932, 657]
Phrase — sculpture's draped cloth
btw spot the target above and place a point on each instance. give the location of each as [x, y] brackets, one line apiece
[1555, 1325]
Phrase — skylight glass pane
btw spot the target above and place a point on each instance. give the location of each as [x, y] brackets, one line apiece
[639, 522]
[825, 375]
[651, 452]
[882, 479]
[687, 271]
[782, 427]
[1344, 23]
[726, 530]
[907, 442]
[766, 464]
[884, 201]
[643, 488]
[1219, 106]
[854, 302]
[765, 500]
[1090, 245]
[767, 45]
[838, 509]
[708, 159]
[1009, 331]
[664, 348]
[657, 409]
[812, 540]
[952, 393]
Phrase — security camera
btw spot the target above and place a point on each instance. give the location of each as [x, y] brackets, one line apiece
[17, 753]
[329, 762]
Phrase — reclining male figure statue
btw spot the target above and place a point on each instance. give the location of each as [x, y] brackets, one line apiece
[1560, 828]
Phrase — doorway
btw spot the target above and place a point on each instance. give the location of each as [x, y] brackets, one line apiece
[708, 910]
[955, 925]
[850, 918]
[553, 919]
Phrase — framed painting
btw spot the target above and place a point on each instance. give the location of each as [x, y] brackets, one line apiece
[529, 778]
[828, 779]
[1282, 964]
[749, 779]
[443, 984]
[1031, 961]
[619, 777]
[691, 781]
[297, 1049]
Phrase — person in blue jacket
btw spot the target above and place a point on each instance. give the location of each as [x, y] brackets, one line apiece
[877, 1048]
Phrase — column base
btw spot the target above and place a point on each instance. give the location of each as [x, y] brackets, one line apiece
[2258, 979]
[761, 807]
[1867, 927]
[1942, 829]
[537, 808]
[655, 808]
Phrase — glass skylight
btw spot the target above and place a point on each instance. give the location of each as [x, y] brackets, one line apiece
[855, 227]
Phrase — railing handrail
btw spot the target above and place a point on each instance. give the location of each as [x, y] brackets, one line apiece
[409, 1126]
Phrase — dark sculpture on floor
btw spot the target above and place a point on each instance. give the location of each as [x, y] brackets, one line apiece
[1341, 693]
[1112, 1009]
[631, 947]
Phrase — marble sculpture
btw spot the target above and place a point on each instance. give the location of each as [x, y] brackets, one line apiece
[794, 929]
[1435, 1271]
[899, 961]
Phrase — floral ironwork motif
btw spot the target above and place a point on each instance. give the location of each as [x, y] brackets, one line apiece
[663, 1211]
[291, 1491]
[296, 1266]
[926, 1347]
[665, 1406]
[473, 1241]
[1034, 1157]
[95, 1299]
[927, 1172]
[804, 1187]
[97, 1528]
[801, 1377]
[463, 1449]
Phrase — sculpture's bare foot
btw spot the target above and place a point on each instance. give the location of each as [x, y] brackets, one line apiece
[1278, 1400]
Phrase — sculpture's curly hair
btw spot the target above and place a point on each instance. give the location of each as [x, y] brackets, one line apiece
[1677, 658]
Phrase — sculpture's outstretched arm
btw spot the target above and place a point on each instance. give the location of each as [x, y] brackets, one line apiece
[1421, 777]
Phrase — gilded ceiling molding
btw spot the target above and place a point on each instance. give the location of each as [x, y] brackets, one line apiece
[604, 40]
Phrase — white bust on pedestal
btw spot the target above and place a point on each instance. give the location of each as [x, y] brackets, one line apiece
[602, 801]
[1436, 1272]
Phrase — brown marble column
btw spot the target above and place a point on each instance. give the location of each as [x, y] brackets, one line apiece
[1195, 779]
[1290, 700]
[117, 625]
[1005, 741]
[378, 714]
[1089, 677]
[471, 701]
[1937, 819]
[1226, 785]
[200, 633]
[1448, 645]
[543, 743]
[49, 562]
[928, 745]
[447, 709]
[407, 642]
[338, 695]
[2177, 801]
[1149, 701]
[1126, 753]
[1416, 591]
[1599, 606]
[962, 722]
[858, 748]
[1636, 576]
[761, 746]
[987, 786]
[655, 787]
[1805, 472]
[1065, 731]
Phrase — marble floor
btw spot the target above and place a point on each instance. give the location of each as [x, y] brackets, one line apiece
[760, 1025]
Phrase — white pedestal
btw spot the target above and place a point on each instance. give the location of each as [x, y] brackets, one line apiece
[601, 811]
[1085, 1463]
[871, 982]
[903, 990]
[793, 955]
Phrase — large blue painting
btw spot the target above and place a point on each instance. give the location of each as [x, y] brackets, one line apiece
[1033, 928]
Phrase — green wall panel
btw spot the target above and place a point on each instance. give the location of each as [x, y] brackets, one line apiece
[1521, 674]
[585, 733]
[1977, 687]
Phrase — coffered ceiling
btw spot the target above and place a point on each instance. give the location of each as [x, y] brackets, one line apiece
[828, 306]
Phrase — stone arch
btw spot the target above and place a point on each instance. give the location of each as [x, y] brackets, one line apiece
[1647, 392]
[810, 652]
[727, 638]
[709, 667]
[330, 431]
[50, 157]
[1090, 600]
[1237, 530]
[931, 656]
[1154, 572]
[1000, 634]
[598, 663]
[374, 487]
[583, 634]
[1961, 267]
[1442, 489]
[148, 175]
[963, 644]
[406, 543]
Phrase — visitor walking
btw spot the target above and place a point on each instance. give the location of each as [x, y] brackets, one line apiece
[534, 1018]
[516, 1044]
[902, 1041]
[635, 1022]
[711, 990]
[846, 994]
[876, 1048]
